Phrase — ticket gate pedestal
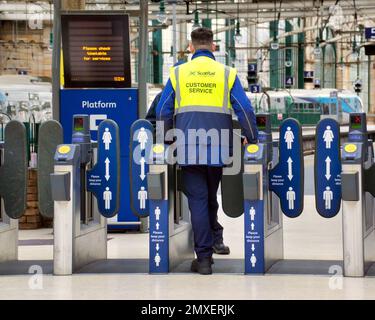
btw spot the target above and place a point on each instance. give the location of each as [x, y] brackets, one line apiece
[75, 243]
[80, 222]
[171, 236]
[263, 235]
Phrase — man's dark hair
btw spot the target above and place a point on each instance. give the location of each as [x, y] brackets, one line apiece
[202, 37]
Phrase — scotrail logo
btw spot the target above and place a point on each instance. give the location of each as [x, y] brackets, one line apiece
[202, 74]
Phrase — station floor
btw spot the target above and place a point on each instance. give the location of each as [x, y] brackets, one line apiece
[307, 237]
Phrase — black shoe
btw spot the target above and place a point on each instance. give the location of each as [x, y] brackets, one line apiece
[221, 248]
[202, 266]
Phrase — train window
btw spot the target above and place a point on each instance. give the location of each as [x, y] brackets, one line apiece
[333, 108]
[325, 109]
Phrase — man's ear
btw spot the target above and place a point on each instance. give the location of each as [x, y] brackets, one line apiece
[213, 47]
[191, 47]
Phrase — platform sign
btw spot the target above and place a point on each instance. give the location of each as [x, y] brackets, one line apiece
[159, 235]
[104, 179]
[120, 105]
[308, 74]
[141, 141]
[289, 81]
[327, 168]
[370, 33]
[255, 88]
[287, 178]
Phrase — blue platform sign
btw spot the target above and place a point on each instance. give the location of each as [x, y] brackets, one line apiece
[255, 88]
[103, 180]
[252, 67]
[120, 105]
[370, 33]
[254, 237]
[308, 74]
[327, 168]
[289, 81]
[286, 180]
[141, 142]
[159, 237]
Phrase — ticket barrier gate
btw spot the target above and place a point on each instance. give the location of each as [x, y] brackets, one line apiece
[358, 173]
[83, 170]
[285, 178]
[157, 192]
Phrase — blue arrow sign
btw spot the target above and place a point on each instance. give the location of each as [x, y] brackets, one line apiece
[327, 168]
[104, 179]
[287, 178]
[141, 141]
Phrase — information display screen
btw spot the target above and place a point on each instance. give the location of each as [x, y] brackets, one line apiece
[96, 50]
[261, 123]
[355, 122]
[78, 124]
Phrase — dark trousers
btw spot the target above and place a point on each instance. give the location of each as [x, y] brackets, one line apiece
[201, 184]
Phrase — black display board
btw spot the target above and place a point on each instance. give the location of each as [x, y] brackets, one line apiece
[96, 50]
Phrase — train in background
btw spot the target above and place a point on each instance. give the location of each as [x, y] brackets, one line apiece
[22, 96]
[307, 106]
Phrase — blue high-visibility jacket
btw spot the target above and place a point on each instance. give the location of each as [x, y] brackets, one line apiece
[241, 105]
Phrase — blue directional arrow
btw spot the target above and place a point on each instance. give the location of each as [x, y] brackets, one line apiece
[287, 178]
[327, 168]
[141, 141]
[103, 180]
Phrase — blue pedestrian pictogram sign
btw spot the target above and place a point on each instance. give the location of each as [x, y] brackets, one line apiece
[104, 179]
[327, 168]
[159, 237]
[141, 142]
[287, 178]
[254, 237]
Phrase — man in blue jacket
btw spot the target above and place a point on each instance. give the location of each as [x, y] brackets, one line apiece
[201, 96]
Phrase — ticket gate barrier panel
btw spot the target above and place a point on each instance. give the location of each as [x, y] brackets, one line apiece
[50, 136]
[13, 185]
[327, 168]
[286, 179]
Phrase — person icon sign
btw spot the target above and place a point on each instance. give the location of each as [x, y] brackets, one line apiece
[142, 138]
[252, 214]
[107, 197]
[291, 197]
[328, 137]
[157, 213]
[289, 138]
[142, 197]
[253, 260]
[328, 197]
[107, 138]
[157, 260]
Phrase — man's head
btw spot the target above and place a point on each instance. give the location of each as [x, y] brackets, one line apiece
[202, 38]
